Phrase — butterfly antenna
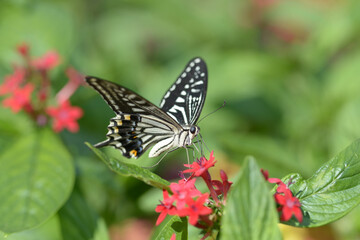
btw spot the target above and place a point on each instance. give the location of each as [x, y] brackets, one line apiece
[202, 140]
[223, 105]
[201, 147]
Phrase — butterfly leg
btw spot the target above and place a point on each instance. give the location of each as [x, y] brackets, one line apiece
[193, 152]
[194, 145]
[200, 147]
[202, 140]
[187, 155]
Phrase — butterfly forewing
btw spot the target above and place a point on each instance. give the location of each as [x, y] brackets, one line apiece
[138, 124]
[122, 100]
[185, 98]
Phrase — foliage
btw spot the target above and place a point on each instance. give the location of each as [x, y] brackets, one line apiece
[287, 70]
[250, 213]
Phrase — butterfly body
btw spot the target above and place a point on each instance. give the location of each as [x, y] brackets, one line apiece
[140, 125]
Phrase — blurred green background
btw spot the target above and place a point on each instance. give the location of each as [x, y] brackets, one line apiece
[288, 70]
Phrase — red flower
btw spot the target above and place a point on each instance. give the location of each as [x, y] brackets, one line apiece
[173, 237]
[282, 188]
[222, 187]
[65, 116]
[270, 180]
[201, 165]
[226, 183]
[289, 205]
[23, 49]
[12, 81]
[265, 173]
[50, 60]
[195, 209]
[183, 190]
[75, 80]
[20, 98]
[165, 207]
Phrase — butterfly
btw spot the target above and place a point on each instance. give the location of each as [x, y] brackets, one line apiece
[140, 125]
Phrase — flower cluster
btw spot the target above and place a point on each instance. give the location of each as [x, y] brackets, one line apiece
[28, 89]
[288, 204]
[203, 209]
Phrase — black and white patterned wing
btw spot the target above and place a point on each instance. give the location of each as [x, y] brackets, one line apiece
[185, 98]
[138, 123]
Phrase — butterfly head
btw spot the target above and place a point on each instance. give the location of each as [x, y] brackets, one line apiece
[193, 132]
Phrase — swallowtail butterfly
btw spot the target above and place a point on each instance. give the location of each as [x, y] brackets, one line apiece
[139, 124]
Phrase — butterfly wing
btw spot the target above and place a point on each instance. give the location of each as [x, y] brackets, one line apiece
[185, 98]
[138, 123]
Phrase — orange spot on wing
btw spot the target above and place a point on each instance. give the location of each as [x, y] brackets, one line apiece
[133, 153]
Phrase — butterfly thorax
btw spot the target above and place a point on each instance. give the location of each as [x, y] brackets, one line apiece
[180, 139]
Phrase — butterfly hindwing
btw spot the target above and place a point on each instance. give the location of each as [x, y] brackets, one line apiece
[133, 134]
[185, 98]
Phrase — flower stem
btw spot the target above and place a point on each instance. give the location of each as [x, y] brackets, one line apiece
[205, 236]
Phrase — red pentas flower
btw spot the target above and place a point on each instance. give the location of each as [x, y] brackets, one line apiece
[182, 190]
[65, 116]
[75, 80]
[184, 194]
[201, 165]
[173, 237]
[12, 81]
[195, 208]
[222, 187]
[23, 49]
[20, 86]
[165, 207]
[270, 180]
[20, 98]
[282, 187]
[288, 204]
[50, 60]
[265, 173]
[204, 210]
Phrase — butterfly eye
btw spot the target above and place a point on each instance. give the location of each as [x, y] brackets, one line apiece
[193, 129]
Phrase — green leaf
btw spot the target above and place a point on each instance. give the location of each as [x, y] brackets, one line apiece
[101, 232]
[127, 169]
[332, 191]
[250, 210]
[175, 225]
[78, 220]
[36, 178]
[50, 230]
[13, 126]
